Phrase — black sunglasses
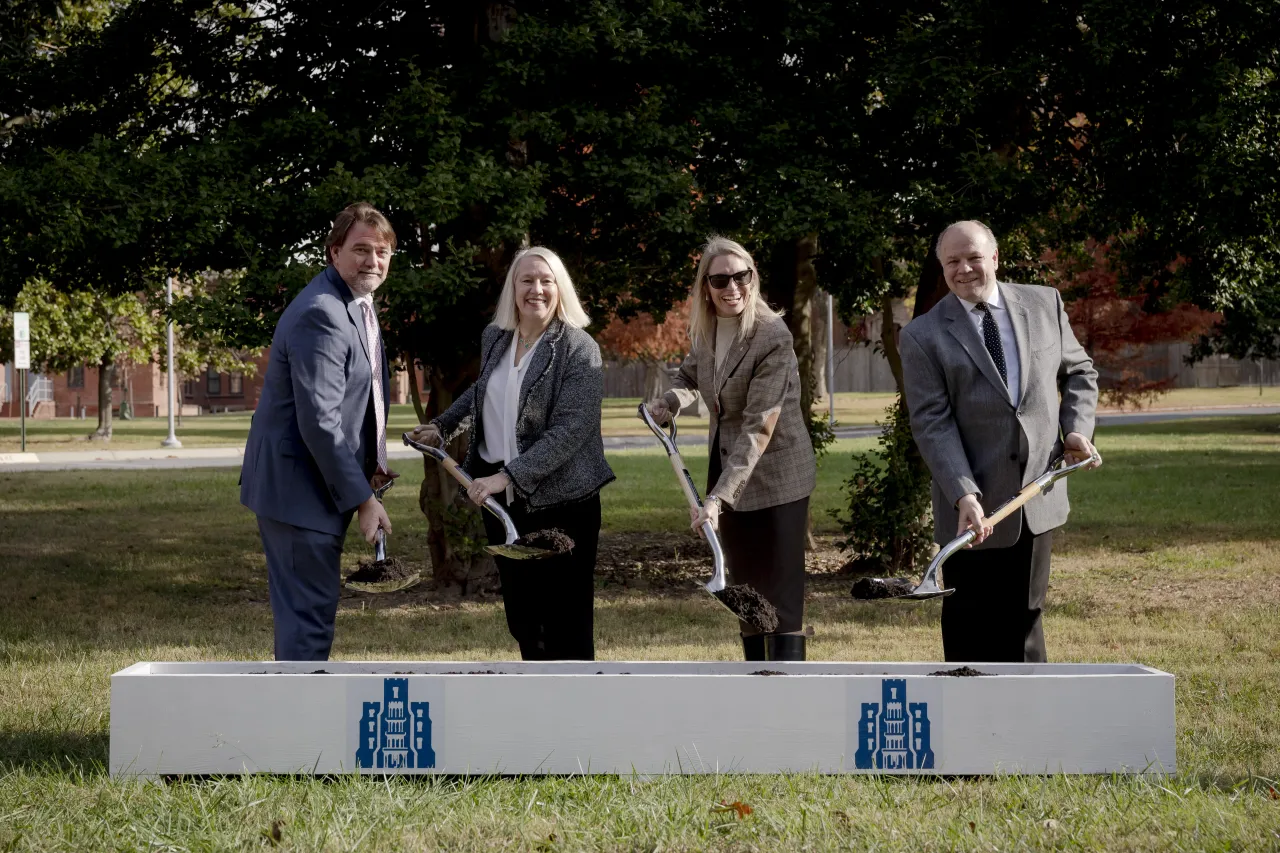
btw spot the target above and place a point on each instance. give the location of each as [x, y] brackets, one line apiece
[742, 278]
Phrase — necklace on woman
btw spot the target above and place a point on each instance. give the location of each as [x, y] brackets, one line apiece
[528, 345]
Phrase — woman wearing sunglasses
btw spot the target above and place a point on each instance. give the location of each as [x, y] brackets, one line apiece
[762, 468]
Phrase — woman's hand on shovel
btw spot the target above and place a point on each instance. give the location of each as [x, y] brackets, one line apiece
[482, 487]
[428, 434]
[710, 511]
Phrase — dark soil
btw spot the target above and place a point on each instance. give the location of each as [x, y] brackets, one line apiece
[376, 571]
[750, 606]
[767, 672]
[551, 539]
[869, 589]
[963, 671]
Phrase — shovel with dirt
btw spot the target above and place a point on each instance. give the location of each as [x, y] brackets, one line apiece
[901, 588]
[385, 574]
[741, 600]
[538, 545]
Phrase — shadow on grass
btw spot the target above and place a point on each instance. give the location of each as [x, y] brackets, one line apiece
[55, 752]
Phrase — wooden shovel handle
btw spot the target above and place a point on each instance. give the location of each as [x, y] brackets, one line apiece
[1006, 509]
[686, 481]
[457, 473]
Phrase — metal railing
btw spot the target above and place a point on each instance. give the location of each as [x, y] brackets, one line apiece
[39, 390]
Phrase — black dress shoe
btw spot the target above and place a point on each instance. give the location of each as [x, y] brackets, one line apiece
[753, 647]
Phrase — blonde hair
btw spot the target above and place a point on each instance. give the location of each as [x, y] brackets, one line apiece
[702, 313]
[568, 308]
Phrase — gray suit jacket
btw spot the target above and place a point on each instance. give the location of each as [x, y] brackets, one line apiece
[311, 448]
[766, 456]
[969, 432]
[561, 454]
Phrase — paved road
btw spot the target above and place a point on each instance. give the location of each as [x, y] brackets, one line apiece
[229, 457]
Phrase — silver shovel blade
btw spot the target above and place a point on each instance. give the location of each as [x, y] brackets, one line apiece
[925, 592]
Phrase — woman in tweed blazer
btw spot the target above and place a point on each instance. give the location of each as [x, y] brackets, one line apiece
[762, 467]
[534, 416]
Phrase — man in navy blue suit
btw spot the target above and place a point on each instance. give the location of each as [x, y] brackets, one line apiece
[317, 446]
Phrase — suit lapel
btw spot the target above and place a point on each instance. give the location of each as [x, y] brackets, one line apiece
[1018, 315]
[353, 311]
[543, 355]
[962, 329]
[731, 360]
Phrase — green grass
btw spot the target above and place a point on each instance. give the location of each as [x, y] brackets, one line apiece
[618, 419]
[1172, 559]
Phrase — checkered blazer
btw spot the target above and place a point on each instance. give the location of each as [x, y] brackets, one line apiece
[766, 457]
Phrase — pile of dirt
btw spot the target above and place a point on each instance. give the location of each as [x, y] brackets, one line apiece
[552, 539]
[869, 589]
[767, 672]
[961, 671]
[750, 606]
[379, 571]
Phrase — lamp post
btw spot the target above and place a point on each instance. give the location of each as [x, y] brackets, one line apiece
[172, 440]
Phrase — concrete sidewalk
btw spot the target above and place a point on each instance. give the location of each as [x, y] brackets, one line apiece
[230, 457]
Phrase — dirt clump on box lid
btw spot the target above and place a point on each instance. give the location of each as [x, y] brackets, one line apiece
[960, 671]
[379, 571]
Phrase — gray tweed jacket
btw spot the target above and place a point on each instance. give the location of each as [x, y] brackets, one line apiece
[766, 456]
[968, 430]
[561, 455]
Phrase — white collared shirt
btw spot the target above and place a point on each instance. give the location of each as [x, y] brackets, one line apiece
[502, 405]
[1008, 340]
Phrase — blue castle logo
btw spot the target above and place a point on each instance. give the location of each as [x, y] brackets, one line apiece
[893, 734]
[395, 734]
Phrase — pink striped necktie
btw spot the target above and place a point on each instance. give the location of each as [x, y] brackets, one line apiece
[375, 360]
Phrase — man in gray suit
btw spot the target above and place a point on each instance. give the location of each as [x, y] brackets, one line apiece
[317, 446]
[997, 387]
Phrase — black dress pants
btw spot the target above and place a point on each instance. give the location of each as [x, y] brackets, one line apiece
[995, 613]
[549, 602]
[764, 549]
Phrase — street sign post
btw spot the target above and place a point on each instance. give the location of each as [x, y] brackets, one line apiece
[22, 363]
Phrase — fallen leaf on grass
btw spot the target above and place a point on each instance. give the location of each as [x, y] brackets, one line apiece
[1050, 824]
[1271, 791]
[273, 834]
[737, 806]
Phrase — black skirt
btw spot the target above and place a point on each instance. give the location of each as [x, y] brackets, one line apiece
[549, 602]
[764, 548]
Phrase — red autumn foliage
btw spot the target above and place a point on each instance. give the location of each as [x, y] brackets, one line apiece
[641, 339]
[1116, 329]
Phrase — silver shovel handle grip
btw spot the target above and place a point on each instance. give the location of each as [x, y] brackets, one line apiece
[465, 479]
[668, 439]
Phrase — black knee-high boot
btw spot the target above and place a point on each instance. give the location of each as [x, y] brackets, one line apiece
[784, 646]
[753, 647]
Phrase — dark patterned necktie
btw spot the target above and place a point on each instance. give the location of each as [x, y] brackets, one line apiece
[991, 337]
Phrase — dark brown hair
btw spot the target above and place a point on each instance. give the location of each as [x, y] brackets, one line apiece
[363, 213]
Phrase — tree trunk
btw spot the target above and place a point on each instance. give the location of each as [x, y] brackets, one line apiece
[415, 389]
[819, 332]
[455, 530]
[105, 371]
[800, 319]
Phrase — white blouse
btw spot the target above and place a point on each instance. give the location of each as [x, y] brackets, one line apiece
[501, 406]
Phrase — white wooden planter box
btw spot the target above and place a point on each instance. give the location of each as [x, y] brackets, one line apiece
[622, 717]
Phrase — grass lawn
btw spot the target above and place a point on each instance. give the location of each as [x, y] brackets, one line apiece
[1172, 559]
[618, 418]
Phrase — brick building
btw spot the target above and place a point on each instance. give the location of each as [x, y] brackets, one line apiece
[143, 386]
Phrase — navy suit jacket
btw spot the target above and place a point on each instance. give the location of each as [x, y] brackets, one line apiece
[311, 448]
